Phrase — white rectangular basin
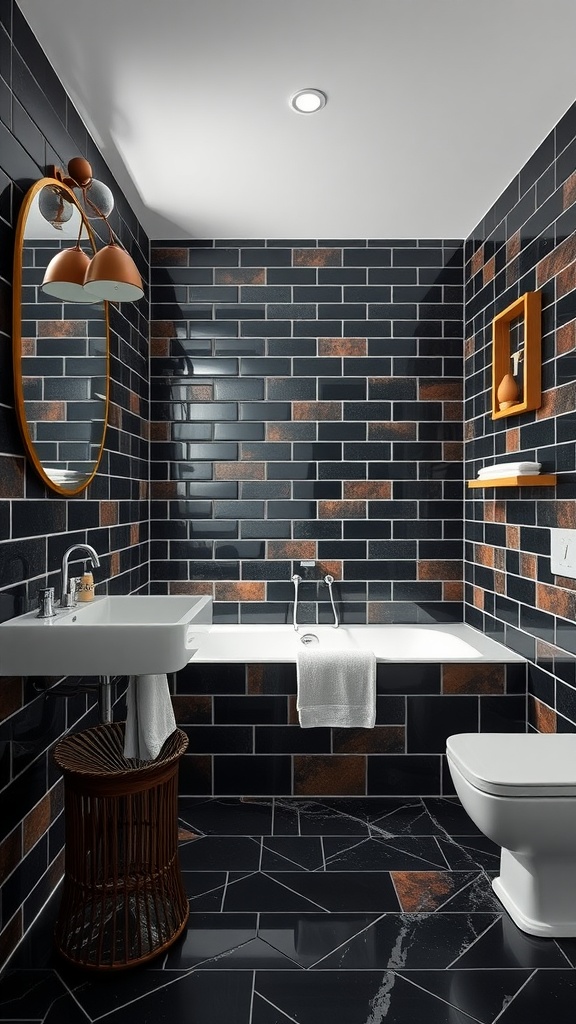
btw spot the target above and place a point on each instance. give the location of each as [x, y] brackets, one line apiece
[117, 635]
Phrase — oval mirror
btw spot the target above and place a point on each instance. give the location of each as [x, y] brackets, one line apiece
[60, 348]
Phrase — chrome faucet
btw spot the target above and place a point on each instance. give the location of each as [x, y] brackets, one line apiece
[68, 597]
[296, 580]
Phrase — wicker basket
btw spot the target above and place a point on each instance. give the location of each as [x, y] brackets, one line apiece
[123, 900]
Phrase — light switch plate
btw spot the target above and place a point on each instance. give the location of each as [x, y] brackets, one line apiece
[563, 552]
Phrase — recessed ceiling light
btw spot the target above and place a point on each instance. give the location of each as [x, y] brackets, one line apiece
[308, 101]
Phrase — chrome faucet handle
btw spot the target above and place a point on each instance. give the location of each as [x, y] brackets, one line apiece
[328, 580]
[46, 603]
[68, 599]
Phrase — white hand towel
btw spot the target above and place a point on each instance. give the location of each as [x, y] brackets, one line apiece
[336, 688]
[149, 717]
[510, 468]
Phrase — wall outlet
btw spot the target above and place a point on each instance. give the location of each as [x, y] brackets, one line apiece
[563, 552]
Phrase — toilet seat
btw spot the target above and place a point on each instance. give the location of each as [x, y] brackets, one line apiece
[516, 764]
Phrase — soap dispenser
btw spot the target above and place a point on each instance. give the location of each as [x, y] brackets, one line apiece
[86, 589]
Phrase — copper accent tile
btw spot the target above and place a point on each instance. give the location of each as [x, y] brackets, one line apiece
[160, 347]
[240, 275]
[10, 853]
[192, 708]
[383, 739]
[334, 775]
[36, 823]
[255, 679]
[134, 403]
[513, 246]
[369, 489]
[513, 439]
[439, 569]
[57, 799]
[11, 477]
[143, 490]
[134, 534]
[500, 559]
[469, 345]
[440, 390]
[513, 537]
[557, 401]
[477, 261]
[452, 451]
[167, 489]
[528, 565]
[292, 711]
[469, 678]
[62, 329]
[489, 510]
[115, 563]
[11, 696]
[330, 565]
[108, 513]
[542, 717]
[169, 257]
[512, 272]
[238, 591]
[114, 415]
[160, 431]
[387, 431]
[317, 410]
[423, 891]
[317, 257]
[500, 582]
[46, 410]
[453, 410]
[489, 270]
[569, 191]
[28, 346]
[342, 346]
[478, 597]
[484, 554]
[499, 511]
[557, 601]
[342, 510]
[191, 587]
[469, 430]
[566, 338]
[199, 393]
[565, 514]
[555, 261]
[291, 549]
[239, 470]
[453, 591]
[185, 835]
[546, 651]
[566, 281]
[163, 329]
[378, 612]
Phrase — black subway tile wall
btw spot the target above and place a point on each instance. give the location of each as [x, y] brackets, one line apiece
[245, 738]
[526, 242]
[39, 126]
[307, 405]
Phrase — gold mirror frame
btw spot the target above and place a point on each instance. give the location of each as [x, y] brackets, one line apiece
[27, 439]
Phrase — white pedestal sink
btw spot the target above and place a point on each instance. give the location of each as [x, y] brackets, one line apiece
[117, 635]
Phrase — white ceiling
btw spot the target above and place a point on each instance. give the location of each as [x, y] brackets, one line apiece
[433, 106]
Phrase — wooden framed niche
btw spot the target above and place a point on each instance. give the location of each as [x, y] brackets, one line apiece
[517, 339]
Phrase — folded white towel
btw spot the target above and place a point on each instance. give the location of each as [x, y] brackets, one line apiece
[336, 688]
[511, 468]
[149, 717]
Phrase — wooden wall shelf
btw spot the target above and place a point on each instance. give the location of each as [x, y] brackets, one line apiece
[528, 308]
[538, 480]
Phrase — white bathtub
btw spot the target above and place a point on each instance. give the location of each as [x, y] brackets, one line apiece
[456, 642]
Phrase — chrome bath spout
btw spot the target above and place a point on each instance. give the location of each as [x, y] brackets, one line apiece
[329, 580]
[67, 599]
[296, 580]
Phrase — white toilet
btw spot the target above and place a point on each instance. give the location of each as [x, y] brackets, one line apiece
[520, 790]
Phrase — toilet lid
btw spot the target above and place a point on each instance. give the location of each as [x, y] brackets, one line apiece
[516, 764]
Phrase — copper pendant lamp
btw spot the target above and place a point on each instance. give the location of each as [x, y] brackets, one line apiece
[64, 277]
[112, 274]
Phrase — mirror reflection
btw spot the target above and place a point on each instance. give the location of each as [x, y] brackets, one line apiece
[60, 347]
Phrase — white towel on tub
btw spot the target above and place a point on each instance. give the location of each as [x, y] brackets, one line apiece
[149, 716]
[336, 688]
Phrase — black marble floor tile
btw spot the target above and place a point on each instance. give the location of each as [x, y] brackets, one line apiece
[468, 851]
[99, 994]
[290, 853]
[201, 997]
[476, 896]
[221, 853]
[308, 938]
[549, 996]
[400, 854]
[208, 937]
[371, 809]
[228, 816]
[482, 994]
[273, 892]
[356, 892]
[415, 941]
[28, 995]
[450, 816]
[322, 820]
[286, 818]
[504, 945]
[407, 820]
[355, 997]
[568, 947]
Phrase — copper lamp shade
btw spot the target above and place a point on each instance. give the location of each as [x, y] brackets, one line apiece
[64, 277]
[113, 275]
